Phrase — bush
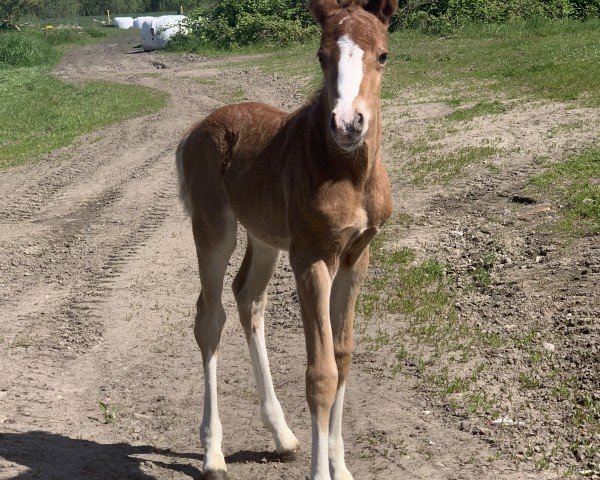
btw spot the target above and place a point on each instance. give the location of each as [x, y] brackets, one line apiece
[25, 49]
[233, 23]
[442, 16]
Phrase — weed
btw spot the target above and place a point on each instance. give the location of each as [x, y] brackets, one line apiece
[528, 381]
[478, 402]
[236, 95]
[401, 357]
[109, 412]
[481, 275]
[206, 81]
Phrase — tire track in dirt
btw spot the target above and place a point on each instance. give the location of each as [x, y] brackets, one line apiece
[99, 281]
[70, 229]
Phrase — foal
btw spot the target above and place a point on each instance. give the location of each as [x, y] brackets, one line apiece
[310, 182]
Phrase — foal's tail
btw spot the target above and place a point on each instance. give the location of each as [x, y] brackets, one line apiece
[184, 190]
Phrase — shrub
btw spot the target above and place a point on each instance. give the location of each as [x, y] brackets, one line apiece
[444, 15]
[233, 23]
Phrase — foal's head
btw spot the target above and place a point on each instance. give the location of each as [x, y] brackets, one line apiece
[352, 54]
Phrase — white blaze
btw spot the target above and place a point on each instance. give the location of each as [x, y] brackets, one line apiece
[350, 74]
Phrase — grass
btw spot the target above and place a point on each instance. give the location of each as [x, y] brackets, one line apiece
[455, 357]
[576, 184]
[555, 60]
[478, 110]
[40, 113]
[434, 167]
[543, 59]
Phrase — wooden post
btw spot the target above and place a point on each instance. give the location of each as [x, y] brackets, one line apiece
[108, 16]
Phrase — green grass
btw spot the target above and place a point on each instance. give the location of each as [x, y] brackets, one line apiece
[552, 60]
[18, 50]
[40, 113]
[555, 60]
[433, 167]
[478, 110]
[420, 296]
[426, 336]
[576, 183]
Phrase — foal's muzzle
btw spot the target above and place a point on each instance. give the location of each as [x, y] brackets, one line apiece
[347, 128]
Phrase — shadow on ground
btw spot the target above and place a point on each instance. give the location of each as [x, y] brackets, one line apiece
[51, 456]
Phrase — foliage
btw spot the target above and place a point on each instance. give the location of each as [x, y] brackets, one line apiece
[232, 23]
[443, 16]
[109, 412]
[13, 10]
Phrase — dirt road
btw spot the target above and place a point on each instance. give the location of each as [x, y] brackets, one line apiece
[97, 293]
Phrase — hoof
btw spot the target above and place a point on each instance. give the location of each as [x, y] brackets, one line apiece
[214, 475]
[289, 456]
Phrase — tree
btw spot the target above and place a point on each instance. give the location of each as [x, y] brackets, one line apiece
[11, 10]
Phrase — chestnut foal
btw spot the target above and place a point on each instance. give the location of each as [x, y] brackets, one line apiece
[310, 182]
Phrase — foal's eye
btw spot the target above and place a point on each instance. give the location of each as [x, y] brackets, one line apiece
[382, 58]
[321, 57]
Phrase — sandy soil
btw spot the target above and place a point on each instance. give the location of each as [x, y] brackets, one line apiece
[98, 282]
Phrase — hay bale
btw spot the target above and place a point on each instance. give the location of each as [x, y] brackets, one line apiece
[123, 23]
[156, 33]
[139, 21]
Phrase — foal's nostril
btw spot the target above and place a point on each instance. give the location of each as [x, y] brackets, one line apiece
[332, 123]
[360, 120]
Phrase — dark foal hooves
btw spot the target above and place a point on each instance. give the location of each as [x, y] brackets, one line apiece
[289, 456]
[214, 475]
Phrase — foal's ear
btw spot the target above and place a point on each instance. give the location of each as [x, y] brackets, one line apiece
[321, 9]
[382, 9]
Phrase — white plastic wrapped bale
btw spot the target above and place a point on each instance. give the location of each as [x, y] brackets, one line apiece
[147, 35]
[139, 21]
[123, 23]
[157, 33]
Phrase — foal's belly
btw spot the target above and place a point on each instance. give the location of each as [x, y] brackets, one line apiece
[260, 212]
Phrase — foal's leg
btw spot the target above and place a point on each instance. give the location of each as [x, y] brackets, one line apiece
[215, 237]
[313, 278]
[345, 288]
[250, 289]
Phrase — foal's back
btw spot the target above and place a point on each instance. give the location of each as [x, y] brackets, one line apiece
[237, 154]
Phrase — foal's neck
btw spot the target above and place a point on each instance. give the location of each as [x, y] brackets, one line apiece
[356, 165]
